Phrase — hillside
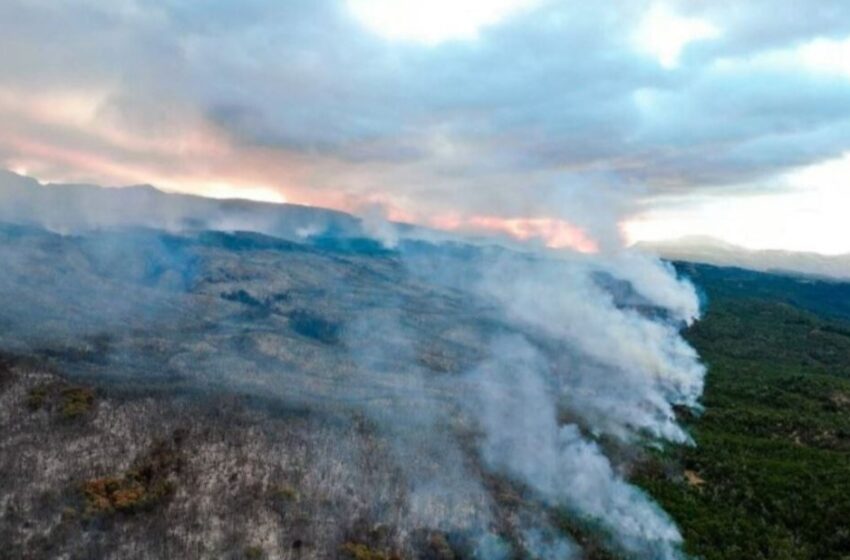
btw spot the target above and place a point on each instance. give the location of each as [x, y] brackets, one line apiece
[769, 477]
[314, 392]
[232, 394]
[708, 250]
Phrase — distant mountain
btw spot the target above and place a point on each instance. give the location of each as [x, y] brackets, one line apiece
[826, 297]
[66, 208]
[79, 208]
[708, 250]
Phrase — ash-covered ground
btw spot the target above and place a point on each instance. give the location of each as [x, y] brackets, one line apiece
[94, 473]
[306, 392]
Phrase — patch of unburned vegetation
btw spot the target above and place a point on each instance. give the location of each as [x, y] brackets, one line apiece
[6, 374]
[71, 402]
[148, 483]
[76, 402]
[311, 325]
[37, 397]
[359, 551]
[284, 493]
[254, 553]
[769, 476]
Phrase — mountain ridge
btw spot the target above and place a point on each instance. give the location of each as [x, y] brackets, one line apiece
[710, 250]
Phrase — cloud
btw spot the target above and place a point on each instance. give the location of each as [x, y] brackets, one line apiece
[516, 120]
[761, 25]
[432, 22]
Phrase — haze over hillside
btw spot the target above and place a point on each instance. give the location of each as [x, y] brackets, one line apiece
[70, 208]
[709, 250]
[471, 366]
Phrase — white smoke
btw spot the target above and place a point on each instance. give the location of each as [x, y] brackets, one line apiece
[65, 209]
[629, 365]
[541, 544]
[514, 400]
[377, 226]
[561, 349]
[602, 348]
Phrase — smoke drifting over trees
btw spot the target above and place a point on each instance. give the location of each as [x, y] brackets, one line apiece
[470, 361]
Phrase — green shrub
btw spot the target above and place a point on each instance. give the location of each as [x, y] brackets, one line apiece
[769, 477]
[254, 553]
[37, 396]
[285, 493]
[359, 551]
[76, 402]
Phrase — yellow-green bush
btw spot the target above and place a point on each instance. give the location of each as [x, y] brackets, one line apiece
[76, 402]
[37, 397]
[359, 551]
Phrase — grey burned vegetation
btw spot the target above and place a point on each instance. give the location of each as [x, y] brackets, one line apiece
[114, 474]
[153, 475]
[100, 466]
[213, 395]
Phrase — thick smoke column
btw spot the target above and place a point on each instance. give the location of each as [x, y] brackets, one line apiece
[469, 359]
[602, 345]
[515, 407]
[629, 366]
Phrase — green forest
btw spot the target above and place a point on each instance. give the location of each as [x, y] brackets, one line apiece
[769, 476]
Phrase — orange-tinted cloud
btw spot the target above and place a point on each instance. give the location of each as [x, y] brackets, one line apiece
[554, 233]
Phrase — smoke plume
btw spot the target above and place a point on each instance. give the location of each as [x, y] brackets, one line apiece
[473, 361]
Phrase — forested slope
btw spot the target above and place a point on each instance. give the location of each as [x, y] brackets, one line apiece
[770, 474]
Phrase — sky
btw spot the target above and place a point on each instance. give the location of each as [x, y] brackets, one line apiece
[581, 124]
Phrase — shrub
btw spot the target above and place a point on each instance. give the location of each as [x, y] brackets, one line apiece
[359, 551]
[254, 553]
[314, 326]
[143, 486]
[76, 402]
[37, 397]
[439, 547]
[285, 493]
[127, 495]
